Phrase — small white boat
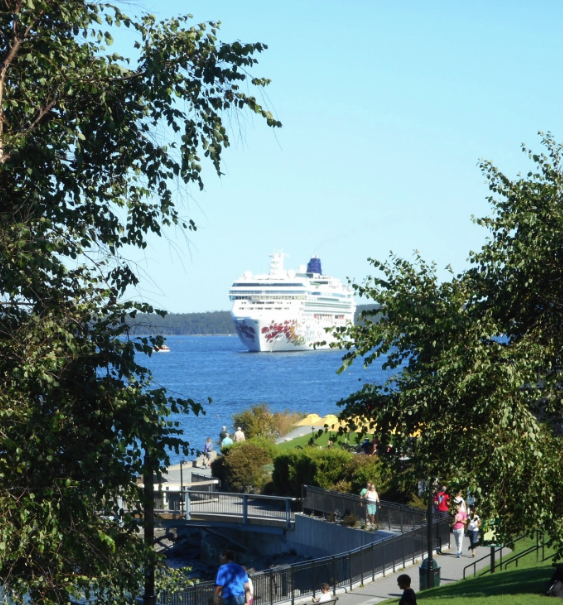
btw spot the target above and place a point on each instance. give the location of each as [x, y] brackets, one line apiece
[162, 349]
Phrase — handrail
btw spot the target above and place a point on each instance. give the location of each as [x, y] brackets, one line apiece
[246, 506]
[490, 555]
[389, 514]
[342, 571]
[515, 558]
[501, 562]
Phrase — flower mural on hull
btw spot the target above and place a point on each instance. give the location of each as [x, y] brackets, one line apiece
[288, 328]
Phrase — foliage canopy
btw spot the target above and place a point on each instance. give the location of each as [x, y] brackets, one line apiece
[93, 150]
[478, 356]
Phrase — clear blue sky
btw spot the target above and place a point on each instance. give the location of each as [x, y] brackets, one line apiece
[387, 107]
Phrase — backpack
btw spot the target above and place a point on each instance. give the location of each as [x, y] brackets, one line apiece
[556, 589]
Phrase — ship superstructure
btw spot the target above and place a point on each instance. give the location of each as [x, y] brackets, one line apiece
[288, 310]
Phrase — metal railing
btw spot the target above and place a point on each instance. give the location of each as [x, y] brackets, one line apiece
[339, 506]
[288, 583]
[498, 550]
[246, 507]
[540, 545]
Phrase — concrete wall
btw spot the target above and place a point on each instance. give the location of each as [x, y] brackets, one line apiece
[311, 538]
[317, 538]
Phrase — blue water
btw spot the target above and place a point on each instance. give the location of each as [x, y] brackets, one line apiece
[199, 367]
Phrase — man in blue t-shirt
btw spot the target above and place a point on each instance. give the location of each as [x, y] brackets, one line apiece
[231, 582]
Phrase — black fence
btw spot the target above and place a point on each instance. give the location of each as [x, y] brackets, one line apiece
[300, 581]
[338, 506]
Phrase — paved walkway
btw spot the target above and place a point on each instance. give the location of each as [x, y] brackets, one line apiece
[451, 570]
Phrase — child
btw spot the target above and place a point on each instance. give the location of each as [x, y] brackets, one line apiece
[325, 594]
[473, 529]
[408, 598]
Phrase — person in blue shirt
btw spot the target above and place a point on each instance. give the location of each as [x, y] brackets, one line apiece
[231, 582]
[227, 441]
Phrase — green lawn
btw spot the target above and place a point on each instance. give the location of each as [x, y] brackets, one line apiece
[522, 585]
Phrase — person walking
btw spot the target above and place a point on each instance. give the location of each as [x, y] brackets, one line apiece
[231, 581]
[207, 449]
[474, 523]
[363, 495]
[459, 500]
[459, 528]
[227, 441]
[372, 499]
[442, 500]
[239, 436]
[251, 586]
[223, 433]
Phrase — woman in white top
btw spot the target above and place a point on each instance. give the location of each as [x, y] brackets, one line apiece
[459, 500]
[372, 502]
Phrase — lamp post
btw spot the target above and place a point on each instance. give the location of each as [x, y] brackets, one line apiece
[181, 486]
[429, 515]
[149, 598]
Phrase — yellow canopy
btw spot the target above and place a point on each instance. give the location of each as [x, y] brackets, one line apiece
[310, 420]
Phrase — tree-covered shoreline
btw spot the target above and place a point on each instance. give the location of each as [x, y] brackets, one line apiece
[210, 323]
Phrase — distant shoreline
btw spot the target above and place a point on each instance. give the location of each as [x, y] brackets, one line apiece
[211, 323]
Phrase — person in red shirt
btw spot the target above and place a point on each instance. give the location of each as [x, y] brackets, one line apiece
[442, 500]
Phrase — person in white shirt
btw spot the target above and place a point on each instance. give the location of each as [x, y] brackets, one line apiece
[239, 435]
[325, 594]
[473, 529]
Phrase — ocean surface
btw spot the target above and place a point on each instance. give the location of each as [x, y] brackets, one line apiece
[199, 367]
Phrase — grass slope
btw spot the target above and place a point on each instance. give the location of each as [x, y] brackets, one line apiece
[522, 585]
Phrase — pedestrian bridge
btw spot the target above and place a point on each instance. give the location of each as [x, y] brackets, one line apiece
[276, 515]
[265, 514]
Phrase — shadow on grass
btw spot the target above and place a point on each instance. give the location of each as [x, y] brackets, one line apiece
[517, 581]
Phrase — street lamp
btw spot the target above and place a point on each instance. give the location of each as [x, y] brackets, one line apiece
[182, 485]
[429, 515]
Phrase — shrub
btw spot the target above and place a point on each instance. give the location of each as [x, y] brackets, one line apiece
[332, 469]
[285, 421]
[259, 421]
[241, 467]
[256, 422]
[350, 520]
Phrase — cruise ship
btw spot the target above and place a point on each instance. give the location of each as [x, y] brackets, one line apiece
[288, 310]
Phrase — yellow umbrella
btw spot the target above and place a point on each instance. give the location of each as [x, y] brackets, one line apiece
[330, 420]
[310, 420]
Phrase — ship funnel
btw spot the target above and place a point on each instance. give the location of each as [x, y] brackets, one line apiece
[314, 265]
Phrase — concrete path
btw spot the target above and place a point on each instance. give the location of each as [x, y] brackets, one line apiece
[451, 570]
[297, 432]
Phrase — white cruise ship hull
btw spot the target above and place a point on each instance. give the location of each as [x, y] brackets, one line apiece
[275, 334]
